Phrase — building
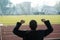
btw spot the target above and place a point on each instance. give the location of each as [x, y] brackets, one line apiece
[23, 8]
[49, 10]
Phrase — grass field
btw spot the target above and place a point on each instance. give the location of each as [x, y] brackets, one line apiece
[10, 20]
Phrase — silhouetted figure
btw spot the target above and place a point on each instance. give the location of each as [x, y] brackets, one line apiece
[33, 34]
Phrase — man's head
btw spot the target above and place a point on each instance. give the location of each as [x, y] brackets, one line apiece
[33, 25]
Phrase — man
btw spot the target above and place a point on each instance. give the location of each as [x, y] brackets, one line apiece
[33, 34]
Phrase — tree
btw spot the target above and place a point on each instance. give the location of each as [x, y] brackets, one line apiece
[57, 7]
[3, 4]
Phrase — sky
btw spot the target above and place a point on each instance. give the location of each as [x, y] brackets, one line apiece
[36, 2]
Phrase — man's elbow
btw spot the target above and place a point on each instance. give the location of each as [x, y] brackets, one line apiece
[52, 29]
[14, 31]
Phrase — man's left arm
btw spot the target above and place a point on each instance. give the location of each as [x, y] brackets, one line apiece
[49, 28]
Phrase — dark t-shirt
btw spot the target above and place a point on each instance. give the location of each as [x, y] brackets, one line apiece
[33, 34]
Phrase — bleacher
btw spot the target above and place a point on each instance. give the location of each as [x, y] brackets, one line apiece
[7, 34]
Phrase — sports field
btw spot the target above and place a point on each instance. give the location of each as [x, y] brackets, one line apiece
[10, 20]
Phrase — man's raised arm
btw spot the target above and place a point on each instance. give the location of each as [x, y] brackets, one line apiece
[49, 27]
[16, 30]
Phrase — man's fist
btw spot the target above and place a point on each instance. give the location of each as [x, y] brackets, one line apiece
[22, 21]
[43, 20]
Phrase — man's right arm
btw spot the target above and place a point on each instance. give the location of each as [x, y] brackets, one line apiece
[16, 30]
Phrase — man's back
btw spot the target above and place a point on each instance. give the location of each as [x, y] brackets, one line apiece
[33, 34]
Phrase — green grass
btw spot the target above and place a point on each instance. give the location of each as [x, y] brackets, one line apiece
[10, 20]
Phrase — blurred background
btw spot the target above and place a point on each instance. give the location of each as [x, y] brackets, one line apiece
[29, 7]
[12, 11]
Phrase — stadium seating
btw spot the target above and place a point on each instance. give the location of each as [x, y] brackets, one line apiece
[8, 34]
